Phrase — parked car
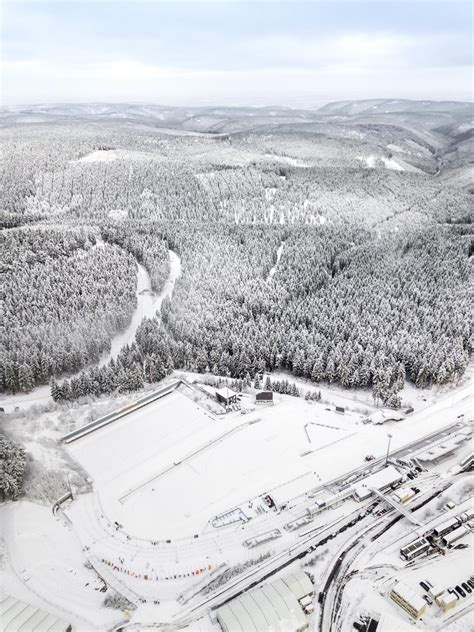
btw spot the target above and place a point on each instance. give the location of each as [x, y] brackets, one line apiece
[424, 586]
[460, 591]
[471, 582]
[428, 600]
[466, 587]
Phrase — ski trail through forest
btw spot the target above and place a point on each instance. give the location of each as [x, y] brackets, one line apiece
[279, 253]
[148, 306]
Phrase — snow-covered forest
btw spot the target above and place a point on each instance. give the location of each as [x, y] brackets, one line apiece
[334, 249]
[65, 296]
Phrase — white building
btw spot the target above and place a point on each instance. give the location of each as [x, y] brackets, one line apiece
[404, 494]
[446, 600]
[414, 549]
[275, 606]
[406, 597]
[456, 534]
[381, 480]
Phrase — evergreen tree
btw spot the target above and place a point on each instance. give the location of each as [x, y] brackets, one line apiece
[12, 468]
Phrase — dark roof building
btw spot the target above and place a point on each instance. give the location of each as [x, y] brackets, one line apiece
[264, 396]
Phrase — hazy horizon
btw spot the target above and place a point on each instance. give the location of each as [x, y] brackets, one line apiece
[216, 105]
[293, 54]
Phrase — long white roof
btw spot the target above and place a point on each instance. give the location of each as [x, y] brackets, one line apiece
[455, 534]
[409, 595]
[273, 607]
[380, 479]
[226, 392]
[18, 616]
[299, 584]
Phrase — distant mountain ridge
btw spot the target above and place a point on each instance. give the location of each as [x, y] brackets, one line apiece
[400, 134]
[346, 107]
[387, 106]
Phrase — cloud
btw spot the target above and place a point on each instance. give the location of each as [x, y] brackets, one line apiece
[367, 49]
[102, 51]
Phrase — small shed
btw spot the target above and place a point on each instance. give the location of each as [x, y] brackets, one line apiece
[340, 409]
[264, 397]
[226, 396]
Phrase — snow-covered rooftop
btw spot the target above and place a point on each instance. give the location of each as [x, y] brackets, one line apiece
[387, 476]
[18, 616]
[442, 449]
[226, 392]
[409, 594]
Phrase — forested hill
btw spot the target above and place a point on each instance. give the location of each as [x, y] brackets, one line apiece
[335, 244]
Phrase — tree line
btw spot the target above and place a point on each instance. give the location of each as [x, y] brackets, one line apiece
[343, 306]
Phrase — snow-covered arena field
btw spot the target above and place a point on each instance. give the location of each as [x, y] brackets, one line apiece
[165, 471]
[172, 458]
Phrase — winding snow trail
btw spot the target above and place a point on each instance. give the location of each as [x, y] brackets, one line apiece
[148, 305]
[279, 253]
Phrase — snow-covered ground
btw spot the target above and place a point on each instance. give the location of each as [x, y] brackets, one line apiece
[396, 164]
[163, 472]
[198, 466]
[109, 155]
[243, 462]
[288, 160]
[360, 400]
[44, 565]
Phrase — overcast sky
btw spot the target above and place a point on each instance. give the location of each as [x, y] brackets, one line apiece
[231, 53]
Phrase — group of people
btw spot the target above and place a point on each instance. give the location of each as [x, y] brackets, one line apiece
[150, 575]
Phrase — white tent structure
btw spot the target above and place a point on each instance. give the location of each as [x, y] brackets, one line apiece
[18, 616]
[274, 606]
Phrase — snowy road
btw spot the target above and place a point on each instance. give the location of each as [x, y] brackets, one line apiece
[279, 253]
[148, 305]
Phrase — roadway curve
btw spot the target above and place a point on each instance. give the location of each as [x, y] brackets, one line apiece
[340, 573]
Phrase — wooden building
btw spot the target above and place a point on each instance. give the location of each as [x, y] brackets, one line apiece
[226, 396]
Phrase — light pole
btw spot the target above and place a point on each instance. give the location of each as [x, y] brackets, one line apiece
[388, 448]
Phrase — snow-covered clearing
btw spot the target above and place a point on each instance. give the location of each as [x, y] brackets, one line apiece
[118, 459]
[100, 155]
[372, 161]
[288, 160]
[110, 155]
[172, 449]
[390, 163]
[45, 567]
